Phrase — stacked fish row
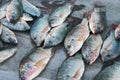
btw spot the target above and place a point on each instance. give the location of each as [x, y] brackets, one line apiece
[82, 43]
[13, 16]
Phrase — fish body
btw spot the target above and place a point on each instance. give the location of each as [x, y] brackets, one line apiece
[27, 17]
[14, 11]
[117, 32]
[110, 48]
[1, 26]
[110, 73]
[76, 37]
[1, 44]
[40, 30]
[56, 35]
[97, 22]
[72, 68]
[34, 64]
[3, 10]
[91, 48]
[31, 9]
[7, 53]
[20, 25]
[60, 14]
[8, 36]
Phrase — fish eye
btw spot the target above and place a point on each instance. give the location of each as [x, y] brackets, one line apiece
[34, 38]
[108, 55]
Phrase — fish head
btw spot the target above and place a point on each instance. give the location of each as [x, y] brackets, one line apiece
[54, 21]
[37, 40]
[108, 55]
[10, 18]
[117, 32]
[97, 28]
[51, 41]
[11, 38]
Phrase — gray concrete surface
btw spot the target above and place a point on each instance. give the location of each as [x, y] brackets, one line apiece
[9, 69]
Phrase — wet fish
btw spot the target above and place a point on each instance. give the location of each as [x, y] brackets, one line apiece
[41, 78]
[8, 36]
[117, 32]
[110, 73]
[20, 25]
[56, 35]
[2, 14]
[76, 37]
[1, 26]
[91, 48]
[40, 30]
[97, 22]
[27, 17]
[1, 44]
[3, 10]
[60, 14]
[35, 63]
[72, 68]
[14, 11]
[31, 9]
[7, 53]
[110, 48]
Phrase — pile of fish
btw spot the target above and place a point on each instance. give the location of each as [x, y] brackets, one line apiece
[83, 43]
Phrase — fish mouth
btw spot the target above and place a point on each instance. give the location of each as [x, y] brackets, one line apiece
[13, 40]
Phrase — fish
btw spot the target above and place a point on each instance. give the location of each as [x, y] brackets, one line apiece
[117, 32]
[41, 78]
[72, 68]
[35, 63]
[27, 17]
[76, 37]
[7, 53]
[111, 48]
[3, 10]
[56, 35]
[30, 9]
[2, 14]
[20, 25]
[110, 73]
[97, 20]
[1, 26]
[91, 48]
[14, 11]
[40, 30]
[59, 15]
[1, 44]
[8, 36]
[93, 69]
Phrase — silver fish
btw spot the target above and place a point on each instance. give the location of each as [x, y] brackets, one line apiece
[76, 37]
[91, 48]
[31, 9]
[7, 53]
[1, 44]
[1, 26]
[8, 36]
[3, 10]
[56, 35]
[14, 11]
[27, 17]
[110, 73]
[110, 48]
[60, 14]
[72, 68]
[35, 63]
[41, 78]
[117, 32]
[97, 22]
[20, 25]
[40, 30]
